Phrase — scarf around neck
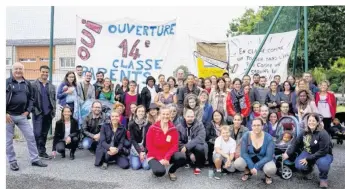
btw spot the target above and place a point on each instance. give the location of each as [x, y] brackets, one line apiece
[140, 122]
[238, 100]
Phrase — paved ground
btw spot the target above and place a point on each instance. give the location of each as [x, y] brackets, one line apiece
[80, 173]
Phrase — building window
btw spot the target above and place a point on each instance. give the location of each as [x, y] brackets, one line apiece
[67, 62]
[8, 61]
[27, 60]
[44, 59]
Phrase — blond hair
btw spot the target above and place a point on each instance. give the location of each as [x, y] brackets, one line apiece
[224, 128]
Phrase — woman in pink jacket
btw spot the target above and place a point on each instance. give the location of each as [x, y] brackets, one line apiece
[326, 104]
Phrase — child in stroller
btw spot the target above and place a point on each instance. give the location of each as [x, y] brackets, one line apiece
[286, 133]
[338, 131]
[286, 141]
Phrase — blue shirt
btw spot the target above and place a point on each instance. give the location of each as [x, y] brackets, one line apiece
[265, 155]
[46, 108]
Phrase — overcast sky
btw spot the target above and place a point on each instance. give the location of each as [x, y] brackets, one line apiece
[201, 22]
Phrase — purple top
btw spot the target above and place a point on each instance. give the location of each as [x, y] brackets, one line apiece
[128, 100]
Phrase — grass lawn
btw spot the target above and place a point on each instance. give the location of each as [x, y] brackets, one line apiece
[341, 109]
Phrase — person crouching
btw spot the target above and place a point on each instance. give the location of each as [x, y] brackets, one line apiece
[111, 142]
[66, 134]
[224, 152]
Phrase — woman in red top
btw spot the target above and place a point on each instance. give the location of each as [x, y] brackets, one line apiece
[326, 104]
[130, 97]
[237, 102]
[162, 145]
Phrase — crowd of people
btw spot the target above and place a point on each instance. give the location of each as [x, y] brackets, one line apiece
[228, 125]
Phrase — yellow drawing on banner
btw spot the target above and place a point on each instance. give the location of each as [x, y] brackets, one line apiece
[208, 71]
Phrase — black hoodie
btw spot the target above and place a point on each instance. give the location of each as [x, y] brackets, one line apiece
[320, 144]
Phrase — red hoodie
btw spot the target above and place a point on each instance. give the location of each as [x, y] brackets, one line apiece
[159, 145]
[330, 98]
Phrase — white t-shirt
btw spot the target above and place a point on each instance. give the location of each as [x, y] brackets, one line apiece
[67, 129]
[153, 93]
[227, 147]
[323, 107]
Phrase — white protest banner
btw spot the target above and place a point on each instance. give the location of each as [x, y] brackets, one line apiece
[123, 48]
[272, 59]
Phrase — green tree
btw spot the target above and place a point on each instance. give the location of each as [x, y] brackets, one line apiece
[337, 74]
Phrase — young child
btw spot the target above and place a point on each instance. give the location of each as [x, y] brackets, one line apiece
[338, 130]
[224, 152]
[286, 138]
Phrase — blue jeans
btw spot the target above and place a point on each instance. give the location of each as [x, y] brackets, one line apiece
[323, 164]
[89, 144]
[137, 164]
[25, 127]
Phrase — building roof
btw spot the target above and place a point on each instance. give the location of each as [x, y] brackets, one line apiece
[39, 42]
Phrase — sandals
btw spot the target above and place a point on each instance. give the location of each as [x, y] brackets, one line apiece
[268, 180]
[246, 176]
[172, 176]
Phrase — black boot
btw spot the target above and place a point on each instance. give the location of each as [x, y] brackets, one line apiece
[71, 155]
[63, 155]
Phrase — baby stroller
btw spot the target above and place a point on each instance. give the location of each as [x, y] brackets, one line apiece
[341, 117]
[291, 125]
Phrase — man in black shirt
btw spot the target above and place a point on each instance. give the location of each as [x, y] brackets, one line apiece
[19, 103]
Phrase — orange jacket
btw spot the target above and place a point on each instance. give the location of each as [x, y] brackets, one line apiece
[231, 109]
